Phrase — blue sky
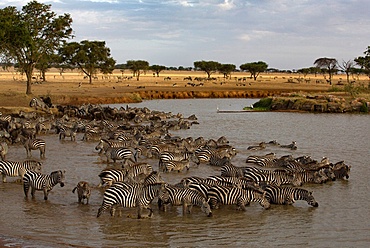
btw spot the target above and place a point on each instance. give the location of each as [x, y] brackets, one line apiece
[286, 34]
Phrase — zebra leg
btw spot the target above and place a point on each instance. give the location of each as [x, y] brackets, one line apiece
[46, 192]
[42, 152]
[241, 204]
[33, 190]
[25, 189]
[4, 178]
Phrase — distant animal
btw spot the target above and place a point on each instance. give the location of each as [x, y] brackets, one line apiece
[83, 191]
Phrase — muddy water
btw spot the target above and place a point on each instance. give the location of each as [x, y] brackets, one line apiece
[341, 220]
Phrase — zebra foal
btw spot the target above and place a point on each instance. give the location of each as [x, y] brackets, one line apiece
[44, 182]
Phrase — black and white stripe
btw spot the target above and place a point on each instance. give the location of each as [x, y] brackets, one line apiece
[235, 196]
[38, 181]
[288, 195]
[18, 169]
[183, 196]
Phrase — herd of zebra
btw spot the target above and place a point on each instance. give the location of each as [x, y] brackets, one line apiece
[138, 147]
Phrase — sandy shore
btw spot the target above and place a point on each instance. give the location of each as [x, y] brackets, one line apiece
[73, 89]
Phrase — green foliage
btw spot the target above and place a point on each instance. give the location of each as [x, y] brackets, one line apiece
[226, 69]
[88, 56]
[364, 61]
[29, 35]
[157, 69]
[364, 108]
[263, 104]
[255, 68]
[208, 66]
[327, 65]
[136, 66]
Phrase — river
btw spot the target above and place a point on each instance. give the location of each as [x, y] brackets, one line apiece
[341, 220]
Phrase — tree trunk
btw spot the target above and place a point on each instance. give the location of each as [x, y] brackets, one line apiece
[29, 81]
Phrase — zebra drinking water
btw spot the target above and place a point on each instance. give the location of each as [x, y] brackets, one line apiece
[183, 196]
[235, 196]
[288, 195]
[44, 182]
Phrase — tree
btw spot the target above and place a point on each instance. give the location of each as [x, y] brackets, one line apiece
[364, 62]
[89, 56]
[347, 68]
[327, 65]
[28, 35]
[157, 69]
[255, 68]
[226, 69]
[136, 66]
[208, 66]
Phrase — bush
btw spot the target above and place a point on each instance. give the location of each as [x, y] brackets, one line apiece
[264, 103]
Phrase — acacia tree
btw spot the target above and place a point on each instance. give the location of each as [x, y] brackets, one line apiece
[27, 36]
[226, 69]
[136, 66]
[88, 56]
[255, 68]
[157, 69]
[347, 68]
[208, 66]
[328, 65]
[364, 62]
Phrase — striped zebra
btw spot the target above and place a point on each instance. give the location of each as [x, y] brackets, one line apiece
[104, 144]
[39, 104]
[132, 172]
[276, 177]
[318, 177]
[206, 152]
[230, 170]
[83, 191]
[267, 160]
[33, 144]
[183, 196]
[235, 196]
[288, 195]
[292, 146]
[111, 175]
[218, 161]
[177, 156]
[44, 182]
[67, 132]
[135, 195]
[18, 169]
[173, 165]
[119, 153]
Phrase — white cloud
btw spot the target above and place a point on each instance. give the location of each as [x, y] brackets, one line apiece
[227, 5]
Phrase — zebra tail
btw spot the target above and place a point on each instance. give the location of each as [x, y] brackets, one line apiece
[73, 190]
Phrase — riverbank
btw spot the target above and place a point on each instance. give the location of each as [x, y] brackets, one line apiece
[72, 89]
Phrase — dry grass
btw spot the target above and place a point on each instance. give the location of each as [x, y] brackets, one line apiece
[72, 88]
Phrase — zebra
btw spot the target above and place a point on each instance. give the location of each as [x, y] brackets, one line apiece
[120, 153]
[173, 165]
[83, 191]
[175, 156]
[32, 144]
[3, 150]
[317, 177]
[265, 161]
[230, 170]
[15, 169]
[104, 144]
[206, 152]
[277, 177]
[292, 146]
[27, 115]
[39, 104]
[218, 161]
[288, 195]
[235, 196]
[341, 170]
[110, 175]
[44, 182]
[67, 132]
[183, 196]
[137, 169]
[136, 195]
[260, 146]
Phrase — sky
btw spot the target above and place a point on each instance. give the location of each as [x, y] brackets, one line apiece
[286, 34]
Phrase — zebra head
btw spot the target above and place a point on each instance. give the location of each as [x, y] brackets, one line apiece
[206, 208]
[102, 145]
[58, 177]
[261, 199]
[311, 200]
